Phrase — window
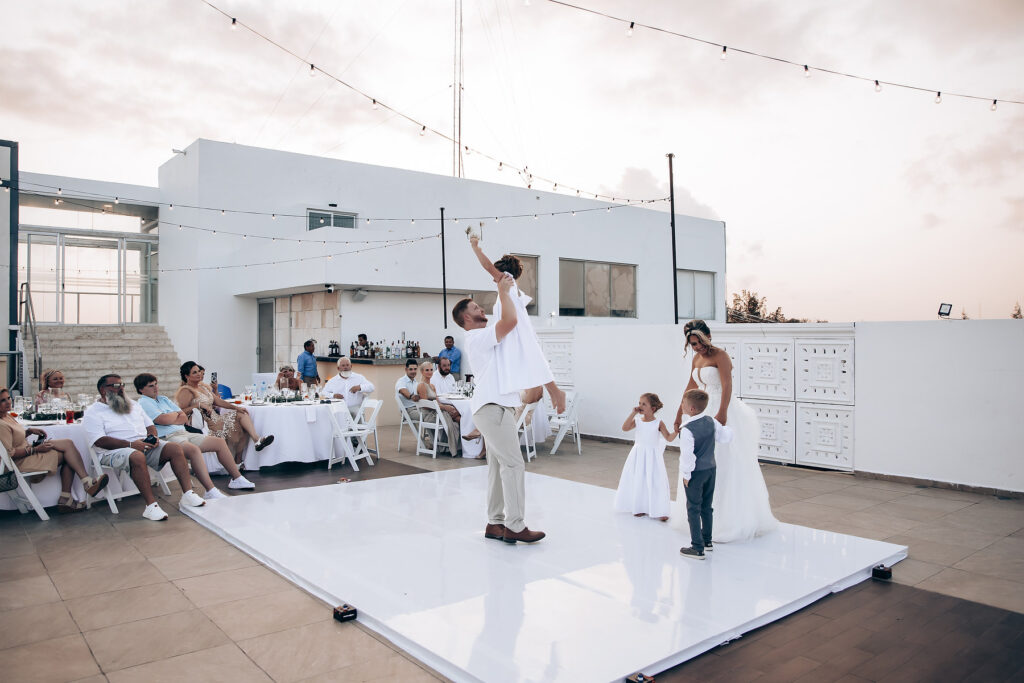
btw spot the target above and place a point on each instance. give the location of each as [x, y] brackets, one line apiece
[696, 294]
[527, 283]
[327, 219]
[593, 288]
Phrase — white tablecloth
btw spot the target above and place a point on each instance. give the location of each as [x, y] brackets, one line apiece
[302, 433]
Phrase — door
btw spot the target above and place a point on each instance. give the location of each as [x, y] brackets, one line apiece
[265, 337]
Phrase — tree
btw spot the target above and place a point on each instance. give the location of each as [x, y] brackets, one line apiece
[1017, 315]
[748, 307]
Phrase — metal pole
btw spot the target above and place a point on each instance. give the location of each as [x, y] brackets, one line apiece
[12, 284]
[444, 275]
[672, 222]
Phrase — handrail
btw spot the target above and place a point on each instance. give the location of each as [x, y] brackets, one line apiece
[27, 316]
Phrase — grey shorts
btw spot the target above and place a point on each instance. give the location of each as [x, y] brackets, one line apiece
[187, 437]
[118, 458]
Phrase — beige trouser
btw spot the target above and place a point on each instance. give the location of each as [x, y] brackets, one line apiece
[506, 491]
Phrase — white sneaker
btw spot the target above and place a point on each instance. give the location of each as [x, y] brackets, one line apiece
[191, 499]
[241, 483]
[213, 494]
[154, 513]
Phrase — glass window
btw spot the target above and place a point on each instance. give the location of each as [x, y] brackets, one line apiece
[570, 288]
[326, 219]
[696, 290]
[593, 288]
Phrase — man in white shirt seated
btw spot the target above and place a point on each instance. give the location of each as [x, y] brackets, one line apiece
[348, 385]
[125, 439]
[405, 389]
[443, 380]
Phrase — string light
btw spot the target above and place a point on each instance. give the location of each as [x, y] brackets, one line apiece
[234, 24]
[312, 70]
[170, 207]
[273, 216]
[222, 212]
[60, 191]
[993, 107]
[807, 72]
[375, 104]
[878, 86]
[629, 31]
[117, 200]
[724, 51]
[423, 131]
[501, 166]
[534, 216]
[938, 98]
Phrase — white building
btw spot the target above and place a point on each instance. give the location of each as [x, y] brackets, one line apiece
[586, 261]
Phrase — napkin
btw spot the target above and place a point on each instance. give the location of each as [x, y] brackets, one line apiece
[310, 413]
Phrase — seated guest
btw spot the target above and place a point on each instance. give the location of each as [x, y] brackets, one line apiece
[443, 381]
[170, 423]
[348, 385]
[405, 390]
[234, 425]
[118, 428]
[48, 456]
[51, 387]
[306, 363]
[286, 379]
[452, 354]
[449, 413]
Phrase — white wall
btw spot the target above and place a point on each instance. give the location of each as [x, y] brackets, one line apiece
[213, 313]
[5, 249]
[942, 400]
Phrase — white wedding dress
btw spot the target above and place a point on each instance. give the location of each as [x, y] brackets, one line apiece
[740, 504]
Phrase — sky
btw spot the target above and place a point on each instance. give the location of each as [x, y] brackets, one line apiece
[840, 203]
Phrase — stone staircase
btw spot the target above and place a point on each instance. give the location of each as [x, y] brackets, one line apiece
[84, 353]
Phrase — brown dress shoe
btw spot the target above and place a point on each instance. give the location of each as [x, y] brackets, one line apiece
[525, 536]
[495, 531]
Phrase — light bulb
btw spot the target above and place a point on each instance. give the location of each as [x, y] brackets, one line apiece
[234, 23]
[608, 210]
[273, 216]
[878, 87]
[116, 200]
[501, 166]
[467, 150]
[214, 233]
[170, 207]
[573, 213]
[60, 191]
[629, 31]
[375, 104]
[993, 107]
[938, 98]
[456, 220]
[554, 188]
[807, 72]
[412, 221]
[222, 212]
[321, 221]
[423, 131]
[312, 70]
[179, 226]
[724, 51]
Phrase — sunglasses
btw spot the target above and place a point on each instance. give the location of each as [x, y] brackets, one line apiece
[116, 385]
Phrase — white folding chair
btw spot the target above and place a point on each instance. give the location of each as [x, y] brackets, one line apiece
[568, 422]
[344, 427]
[373, 406]
[22, 494]
[524, 431]
[406, 420]
[436, 425]
[124, 480]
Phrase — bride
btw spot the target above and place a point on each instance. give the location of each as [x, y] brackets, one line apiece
[741, 508]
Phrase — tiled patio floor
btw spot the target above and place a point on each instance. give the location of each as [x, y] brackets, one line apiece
[97, 597]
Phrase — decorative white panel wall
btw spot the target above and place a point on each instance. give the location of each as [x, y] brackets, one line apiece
[777, 437]
[735, 355]
[767, 369]
[558, 349]
[824, 370]
[824, 436]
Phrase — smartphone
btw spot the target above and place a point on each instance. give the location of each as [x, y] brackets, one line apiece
[213, 378]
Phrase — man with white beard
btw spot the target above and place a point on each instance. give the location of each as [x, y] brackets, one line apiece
[119, 430]
[348, 385]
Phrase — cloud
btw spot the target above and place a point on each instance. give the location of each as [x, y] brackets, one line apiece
[930, 221]
[1015, 221]
[641, 183]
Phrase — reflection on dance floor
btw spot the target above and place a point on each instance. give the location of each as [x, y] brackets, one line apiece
[603, 596]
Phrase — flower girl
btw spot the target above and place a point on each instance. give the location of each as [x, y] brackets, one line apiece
[643, 486]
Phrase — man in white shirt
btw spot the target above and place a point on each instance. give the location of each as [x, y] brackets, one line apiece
[348, 385]
[443, 380]
[405, 389]
[494, 416]
[125, 439]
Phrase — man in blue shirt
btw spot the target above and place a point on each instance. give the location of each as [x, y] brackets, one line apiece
[453, 354]
[307, 364]
[169, 420]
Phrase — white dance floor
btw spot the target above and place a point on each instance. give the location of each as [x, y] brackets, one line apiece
[603, 596]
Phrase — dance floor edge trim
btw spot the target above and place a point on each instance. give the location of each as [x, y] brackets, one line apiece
[450, 669]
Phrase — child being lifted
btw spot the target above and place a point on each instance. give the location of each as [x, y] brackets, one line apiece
[521, 363]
